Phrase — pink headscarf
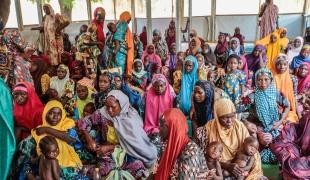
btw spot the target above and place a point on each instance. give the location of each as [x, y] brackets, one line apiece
[154, 58]
[302, 82]
[156, 105]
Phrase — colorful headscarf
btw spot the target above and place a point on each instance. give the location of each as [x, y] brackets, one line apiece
[125, 16]
[237, 50]
[273, 50]
[80, 104]
[298, 60]
[142, 72]
[303, 82]
[59, 84]
[292, 52]
[154, 58]
[253, 61]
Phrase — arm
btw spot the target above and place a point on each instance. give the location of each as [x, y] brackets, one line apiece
[282, 101]
[261, 61]
[62, 135]
[40, 28]
[232, 168]
[249, 165]
[219, 174]
[55, 169]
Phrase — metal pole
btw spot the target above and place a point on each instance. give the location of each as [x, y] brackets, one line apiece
[19, 15]
[133, 16]
[178, 24]
[114, 8]
[213, 18]
[149, 20]
[304, 18]
[257, 26]
[189, 17]
[89, 12]
[40, 12]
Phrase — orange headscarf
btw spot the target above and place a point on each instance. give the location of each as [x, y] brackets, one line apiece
[273, 50]
[285, 86]
[177, 141]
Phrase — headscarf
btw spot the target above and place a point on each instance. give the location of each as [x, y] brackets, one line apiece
[129, 129]
[204, 110]
[253, 61]
[245, 68]
[156, 105]
[209, 55]
[231, 139]
[266, 103]
[125, 16]
[221, 47]
[285, 85]
[298, 60]
[302, 82]
[273, 50]
[161, 46]
[28, 115]
[7, 137]
[237, 50]
[295, 51]
[187, 84]
[176, 142]
[67, 156]
[142, 72]
[82, 103]
[100, 25]
[101, 96]
[42, 68]
[59, 84]
[197, 48]
[283, 41]
[154, 58]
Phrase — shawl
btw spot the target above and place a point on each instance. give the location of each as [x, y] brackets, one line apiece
[67, 156]
[176, 142]
[237, 50]
[273, 50]
[49, 29]
[28, 115]
[59, 84]
[99, 25]
[129, 129]
[298, 60]
[204, 110]
[302, 82]
[142, 72]
[7, 137]
[42, 68]
[209, 55]
[293, 51]
[154, 58]
[269, 19]
[285, 85]
[284, 40]
[187, 84]
[253, 61]
[156, 105]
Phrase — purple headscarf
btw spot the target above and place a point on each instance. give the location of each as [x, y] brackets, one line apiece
[253, 61]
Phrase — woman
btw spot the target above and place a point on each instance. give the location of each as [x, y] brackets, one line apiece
[39, 72]
[189, 78]
[209, 56]
[268, 16]
[202, 69]
[27, 110]
[150, 53]
[273, 50]
[7, 138]
[231, 132]
[105, 85]
[53, 24]
[303, 75]
[99, 18]
[221, 50]
[181, 158]
[62, 83]
[295, 49]
[303, 57]
[170, 34]
[292, 149]
[160, 46]
[158, 98]
[257, 59]
[194, 47]
[124, 43]
[117, 123]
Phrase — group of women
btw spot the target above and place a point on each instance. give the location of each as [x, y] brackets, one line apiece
[161, 114]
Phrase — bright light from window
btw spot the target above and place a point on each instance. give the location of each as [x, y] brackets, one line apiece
[226, 7]
[12, 21]
[79, 11]
[108, 6]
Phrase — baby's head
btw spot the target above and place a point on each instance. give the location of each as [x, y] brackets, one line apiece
[112, 27]
[89, 109]
[211, 76]
[214, 150]
[49, 147]
[250, 145]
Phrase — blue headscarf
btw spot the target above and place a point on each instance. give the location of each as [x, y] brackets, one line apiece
[187, 85]
[266, 103]
[298, 60]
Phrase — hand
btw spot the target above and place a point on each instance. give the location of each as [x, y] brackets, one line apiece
[264, 138]
[42, 130]
[91, 144]
[102, 150]
[277, 124]
[235, 169]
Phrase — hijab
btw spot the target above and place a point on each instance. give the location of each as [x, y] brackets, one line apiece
[237, 50]
[221, 47]
[273, 50]
[82, 103]
[59, 84]
[154, 58]
[298, 60]
[293, 51]
[67, 156]
[142, 72]
[253, 61]
[100, 25]
[302, 82]
[156, 105]
[176, 142]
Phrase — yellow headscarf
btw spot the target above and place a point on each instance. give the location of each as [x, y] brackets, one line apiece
[231, 139]
[273, 50]
[283, 41]
[67, 156]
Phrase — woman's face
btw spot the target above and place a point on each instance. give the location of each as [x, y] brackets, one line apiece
[200, 61]
[20, 97]
[282, 66]
[283, 34]
[104, 83]
[189, 66]
[46, 10]
[118, 82]
[138, 66]
[199, 94]
[234, 44]
[227, 120]
[100, 16]
[233, 63]
[82, 92]
[256, 52]
[163, 129]
[61, 73]
[156, 37]
[273, 38]
[33, 67]
[303, 70]
[53, 116]
[297, 43]
[112, 106]
[150, 49]
[77, 70]
[205, 48]
[263, 81]
[192, 44]
[305, 52]
[159, 87]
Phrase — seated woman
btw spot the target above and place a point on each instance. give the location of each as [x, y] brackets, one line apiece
[263, 108]
[117, 123]
[303, 88]
[292, 149]
[303, 57]
[194, 47]
[231, 132]
[150, 53]
[27, 110]
[139, 75]
[182, 158]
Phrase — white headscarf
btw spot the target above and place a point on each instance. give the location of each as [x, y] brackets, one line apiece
[59, 84]
[295, 51]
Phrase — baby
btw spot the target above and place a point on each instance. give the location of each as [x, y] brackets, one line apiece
[48, 165]
[214, 153]
[245, 157]
[89, 109]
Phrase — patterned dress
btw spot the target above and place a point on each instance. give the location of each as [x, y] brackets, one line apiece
[233, 83]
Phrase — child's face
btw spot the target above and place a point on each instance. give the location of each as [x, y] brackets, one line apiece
[256, 52]
[138, 66]
[273, 38]
[180, 56]
[263, 82]
[305, 52]
[189, 66]
[237, 31]
[234, 44]
[88, 110]
[241, 65]
[77, 70]
[283, 34]
[53, 93]
[192, 44]
[104, 83]
[215, 151]
[211, 77]
[199, 94]
[112, 28]
[61, 73]
[82, 92]
[150, 49]
[118, 82]
[233, 63]
[303, 71]
[173, 49]
[282, 67]
[54, 116]
[297, 43]
[20, 97]
[200, 61]
[221, 38]
[159, 87]
[251, 148]
[52, 151]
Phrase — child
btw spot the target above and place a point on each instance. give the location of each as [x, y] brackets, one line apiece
[139, 75]
[48, 165]
[241, 38]
[235, 79]
[89, 109]
[214, 153]
[211, 77]
[177, 74]
[245, 157]
[110, 45]
[105, 85]
[221, 50]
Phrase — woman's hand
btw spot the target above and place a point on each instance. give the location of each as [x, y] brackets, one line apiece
[277, 124]
[103, 149]
[42, 130]
[264, 138]
[235, 169]
[91, 144]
